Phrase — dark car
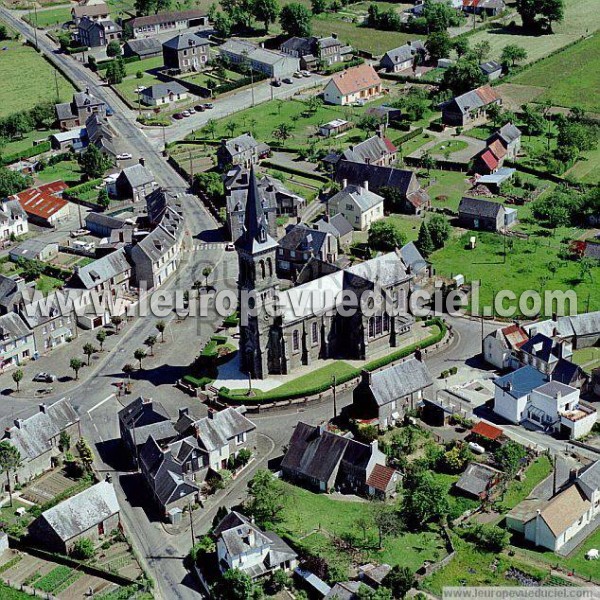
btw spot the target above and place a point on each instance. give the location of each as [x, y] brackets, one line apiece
[178, 116]
[287, 80]
[276, 82]
[199, 108]
[109, 111]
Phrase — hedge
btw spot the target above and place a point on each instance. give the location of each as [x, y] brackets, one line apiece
[101, 65]
[241, 397]
[30, 152]
[407, 136]
[343, 66]
[82, 188]
[294, 171]
[197, 382]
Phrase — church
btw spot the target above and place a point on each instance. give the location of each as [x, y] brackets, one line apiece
[304, 332]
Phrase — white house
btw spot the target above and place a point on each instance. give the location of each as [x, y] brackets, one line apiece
[357, 84]
[163, 93]
[17, 343]
[500, 348]
[358, 205]
[13, 220]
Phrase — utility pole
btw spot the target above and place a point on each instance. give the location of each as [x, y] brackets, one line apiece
[191, 167]
[56, 84]
[252, 83]
[482, 351]
[334, 383]
[35, 27]
[191, 523]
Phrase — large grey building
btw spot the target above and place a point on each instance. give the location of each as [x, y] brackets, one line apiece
[186, 52]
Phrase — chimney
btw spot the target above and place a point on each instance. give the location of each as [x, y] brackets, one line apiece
[142, 161]
[211, 413]
[344, 183]
[184, 411]
[18, 423]
[555, 317]
[87, 90]
[366, 185]
[7, 433]
[108, 478]
[334, 35]
[509, 386]
[43, 408]
[366, 376]
[298, 220]
[419, 354]
[408, 42]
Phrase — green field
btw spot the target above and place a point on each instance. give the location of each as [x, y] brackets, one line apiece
[588, 358]
[571, 77]
[519, 490]
[26, 142]
[27, 79]
[49, 17]
[67, 171]
[447, 188]
[582, 17]
[587, 168]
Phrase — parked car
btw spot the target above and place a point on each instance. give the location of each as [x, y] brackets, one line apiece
[178, 116]
[297, 74]
[287, 80]
[476, 448]
[209, 105]
[230, 247]
[191, 110]
[79, 232]
[124, 156]
[185, 113]
[276, 82]
[305, 74]
[45, 377]
[109, 111]
[199, 108]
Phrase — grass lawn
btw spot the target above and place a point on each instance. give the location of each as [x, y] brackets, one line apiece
[589, 358]
[450, 146]
[571, 78]
[446, 188]
[46, 284]
[67, 171]
[524, 267]
[26, 142]
[8, 593]
[144, 65]
[519, 490]
[128, 86]
[408, 224]
[414, 144]
[8, 513]
[458, 504]
[49, 17]
[581, 18]
[587, 168]
[27, 79]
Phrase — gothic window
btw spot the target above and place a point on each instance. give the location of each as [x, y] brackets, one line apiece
[386, 322]
[378, 325]
[270, 265]
[295, 340]
[262, 269]
[315, 332]
[372, 327]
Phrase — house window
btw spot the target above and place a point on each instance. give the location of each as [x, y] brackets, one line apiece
[315, 332]
[349, 207]
[295, 340]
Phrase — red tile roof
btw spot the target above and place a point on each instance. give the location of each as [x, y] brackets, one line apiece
[516, 336]
[355, 79]
[497, 147]
[380, 477]
[388, 144]
[489, 159]
[43, 201]
[487, 94]
[487, 431]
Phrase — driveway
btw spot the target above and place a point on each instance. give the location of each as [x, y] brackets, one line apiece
[474, 146]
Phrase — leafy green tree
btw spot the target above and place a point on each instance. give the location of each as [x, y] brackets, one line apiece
[128, 369]
[83, 549]
[438, 45]
[399, 580]
[540, 14]
[369, 123]
[4, 34]
[88, 350]
[160, 327]
[482, 50]
[93, 163]
[318, 6]
[282, 132]
[462, 76]
[439, 15]
[424, 242]
[64, 441]
[150, 341]
[116, 320]
[235, 585]
[510, 457]
[210, 128]
[209, 183]
[12, 182]
[386, 235]
[439, 230]
[427, 162]
[10, 461]
[488, 537]
[461, 46]
[100, 338]
[265, 502]
[455, 460]
[266, 12]
[139, 355]
[31, 269]
[295, 20]
[512, 54]
[76, 364]
[43, 115]
[223, 25]
[17, 377]
[113, 49]
[280, 580]
[534, 119]
[425, 500]
[386, 519]
[103, 199]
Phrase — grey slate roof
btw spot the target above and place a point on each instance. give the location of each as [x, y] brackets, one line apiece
[137, 175]
[12, 209]
[476, 478]
[509, 132]
[413, 258]
[398, 381]
[104, 220]
[365, 199]
[566, 371]
[103, 269]
[83, 511]
[241, 143]
[31, 248]
[589, 479]
[32, 437]
[12, 327]
[141, 412]
[160, 90]
[386, 269]
[378, 177]
[586, 323]
[302, 238]
[370, 150]
[478, 207]
[337, 225]
[489, 67]
[64, 111]
[144, 46]
[217, 430]
[555, 388]
[542, 347]
[405, 52]
[185, 40]
[345, 590]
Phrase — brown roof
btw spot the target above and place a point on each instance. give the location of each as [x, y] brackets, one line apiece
[497, 147]
[487, 94]
[487, 431]
[42, 201]
[380, 477]
[356, 79]
[564, 509]
[94, 10]
[165, 17]
[515, 336]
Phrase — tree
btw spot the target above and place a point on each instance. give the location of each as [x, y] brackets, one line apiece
[100, 338]
[210, 128]
[456, 459]
[150, 341]
[230, 127]
[12, 182]
[88, 350]
[512, 54]
[113, 49]
[313, 104]
[64, 441]
[493, 112]
[428, 162]
[128, 369]
[116, 320]
[386, 236]
[206, 274]
[4, 35]
[17, 377]
[461, 46]
[295, 20]
[534, 119]
[400, 580]
[424, 241]
[488, 537]
[282, 132]
[43, 115]
[83, 549]
[160, 327]
[386, 519]
[280, 580]
[139, 355]
[103, 199]
[235, 585]
[76, 365]
[369, 123]
[209, 183]
[482, 50]
[31, 269]
[93, 163]
[510, 457]
[266, 11]
[425, 500]
[439, 230]
[439, 16]
[438, 45]
[223, 25]
[540, 14]
[318, 6]
[265, 501]
[462, 76]
[10, 461]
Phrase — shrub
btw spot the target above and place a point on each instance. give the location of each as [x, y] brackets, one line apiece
[488, 537]
[83, 549]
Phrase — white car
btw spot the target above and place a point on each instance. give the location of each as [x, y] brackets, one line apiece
[476, 448]
[124, 156]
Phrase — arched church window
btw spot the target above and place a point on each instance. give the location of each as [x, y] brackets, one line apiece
[270, 265]
[262, 269]
[295, 340]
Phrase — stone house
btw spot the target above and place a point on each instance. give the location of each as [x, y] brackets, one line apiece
[355, 85]
[509, 136]
[315, 52]
[186, 52]
[95, 11]
[387, 395]
[96, 34]
[377, 150]
[470, 108]
[404, 57]
[17, 344]
[143, 48]
[271, 63]
[242, 150]
[135, 182]
[544, 353]
[299, 244]
[501, 347]
[37, 437]
[75, 113]
[91, 514]
[475, 213]
[358, 205]
[13, 220]
[478, 480]
[338, 226]
[160, 94]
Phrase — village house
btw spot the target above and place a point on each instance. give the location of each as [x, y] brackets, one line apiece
[491, 69]
[34, 249]
[338, 226]
[415, 262]
[163, 93]
[316, 53]
[566, 519]
[528, 395]
[101, 224]
[386, 396]
[490, 159]
[37, 438]
[142, 48]
[325, 461]
[94, 10]
[543, 352]
[74, 113]
[299, 244]
[17, 344]
[135, 183]
[501, 347]
[45, 205]
[186, 52]
[271, 63]
[359, 206]
[13, 220]
[510, 137]
[478, 480]
[404, 57]
[489, 8]
[377, 150]
[101, 134]
[410, 198]
[243, 546]
[475, 213]
[95, 34]
[355, 85]
[582, 330]
[71, 138]
[470, 108]
[242, 150]
[165, 21]
[91, 514]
